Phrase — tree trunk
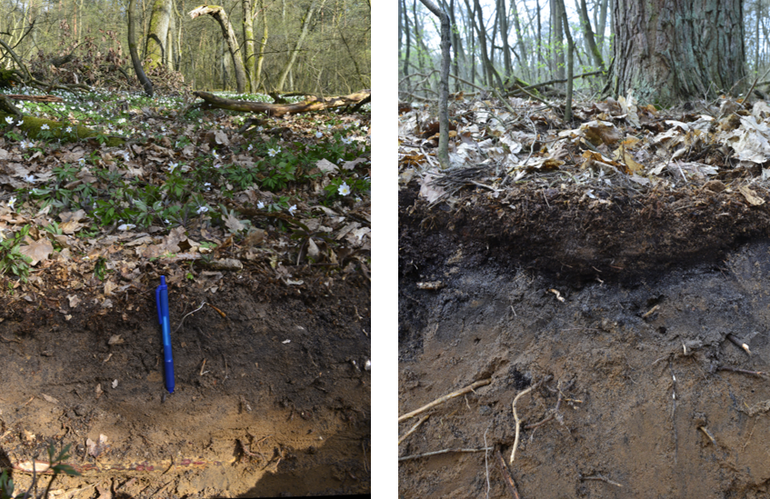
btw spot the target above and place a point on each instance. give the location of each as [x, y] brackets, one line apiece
[168, 60]
[557, 41]
[157, 35]
[589, 35]
[523, 59]
[504, 32]
[135, 60]
[601, 24]
[220, 15]
[248, 44]
[456, 42]
[443, 95]
[301, 40]
[407, 44]
[262, 45]
[540, 63]
[669, 51]
[570, 52]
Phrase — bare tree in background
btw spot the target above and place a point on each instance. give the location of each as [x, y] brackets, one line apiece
[443, 94]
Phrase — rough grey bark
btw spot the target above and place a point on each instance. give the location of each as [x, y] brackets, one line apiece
[669, 51]
[443, 95]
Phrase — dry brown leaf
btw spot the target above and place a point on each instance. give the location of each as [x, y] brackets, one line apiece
[233, 224]
[601, 132]
[38, 250]
[751, 196]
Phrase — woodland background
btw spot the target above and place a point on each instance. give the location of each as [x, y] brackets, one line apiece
[312, 46]
[496, 41]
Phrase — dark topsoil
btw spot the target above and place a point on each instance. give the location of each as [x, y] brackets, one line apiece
[638, 399]
[253, 414]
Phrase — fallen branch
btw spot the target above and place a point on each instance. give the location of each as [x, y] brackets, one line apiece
[443, 399]
[443, 451]
[312, 104]
[35, 98]
[414, 428]
[507, 475]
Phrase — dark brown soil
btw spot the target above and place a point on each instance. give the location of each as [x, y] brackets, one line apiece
[272, 395]
[634, 357]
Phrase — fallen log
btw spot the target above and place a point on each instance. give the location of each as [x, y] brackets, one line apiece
[311, 104]
[35, 98]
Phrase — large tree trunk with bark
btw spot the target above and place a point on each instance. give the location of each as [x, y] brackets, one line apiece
[248, 44]
[670, 51]
[220, 15]
[156, 43]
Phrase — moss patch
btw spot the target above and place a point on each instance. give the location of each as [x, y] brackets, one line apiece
[32, 127]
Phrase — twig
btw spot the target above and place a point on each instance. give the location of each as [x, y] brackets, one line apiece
[507, 475]
[748, 94]
[516, 416]
[414, 428]
[600, 478]
[443, 451]
[760, 374]
[443, 399]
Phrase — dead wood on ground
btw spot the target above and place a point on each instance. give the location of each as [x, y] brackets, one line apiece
[311, 104]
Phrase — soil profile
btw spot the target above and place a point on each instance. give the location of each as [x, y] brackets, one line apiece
[272, 386]
[624, 315]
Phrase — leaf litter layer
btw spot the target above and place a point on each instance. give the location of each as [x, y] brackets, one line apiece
[262, 229]
[616, 267]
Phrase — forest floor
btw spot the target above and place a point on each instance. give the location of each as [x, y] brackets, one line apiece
[618, 289]
[262, 233]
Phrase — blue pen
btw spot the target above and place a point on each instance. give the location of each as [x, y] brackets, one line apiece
[161, 298]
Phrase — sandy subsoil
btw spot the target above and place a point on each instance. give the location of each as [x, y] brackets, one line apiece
[272, 395]
[617, 311]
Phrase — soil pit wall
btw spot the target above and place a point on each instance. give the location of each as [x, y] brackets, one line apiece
[639, 365]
